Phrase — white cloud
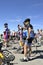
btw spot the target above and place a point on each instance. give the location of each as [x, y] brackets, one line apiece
[14, 20]
[34, 16]
[18, 19]
[36, 25]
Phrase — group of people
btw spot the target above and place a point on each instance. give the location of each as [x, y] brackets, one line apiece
[26, 36]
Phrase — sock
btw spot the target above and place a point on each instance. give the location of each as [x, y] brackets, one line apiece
[25, 58]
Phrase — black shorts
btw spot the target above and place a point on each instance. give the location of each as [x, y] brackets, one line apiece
[24, 38]
[8, 36]
[30, 40]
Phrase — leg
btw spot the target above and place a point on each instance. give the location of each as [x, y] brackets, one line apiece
[25, 59]
[30, 50]
[25, 50]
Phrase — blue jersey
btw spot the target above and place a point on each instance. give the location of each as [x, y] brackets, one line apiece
[7, 31]
[25, 34]
[32, 34]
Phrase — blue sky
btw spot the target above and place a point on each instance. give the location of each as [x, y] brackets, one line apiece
[14, 12]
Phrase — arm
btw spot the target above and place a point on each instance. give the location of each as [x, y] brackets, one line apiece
[29, 30]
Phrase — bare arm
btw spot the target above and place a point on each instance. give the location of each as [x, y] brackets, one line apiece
[29, 30]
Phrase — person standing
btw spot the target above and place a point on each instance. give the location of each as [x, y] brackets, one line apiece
[29, 39]
[6, 34]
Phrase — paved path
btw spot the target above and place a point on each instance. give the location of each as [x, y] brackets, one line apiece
[37, 57]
